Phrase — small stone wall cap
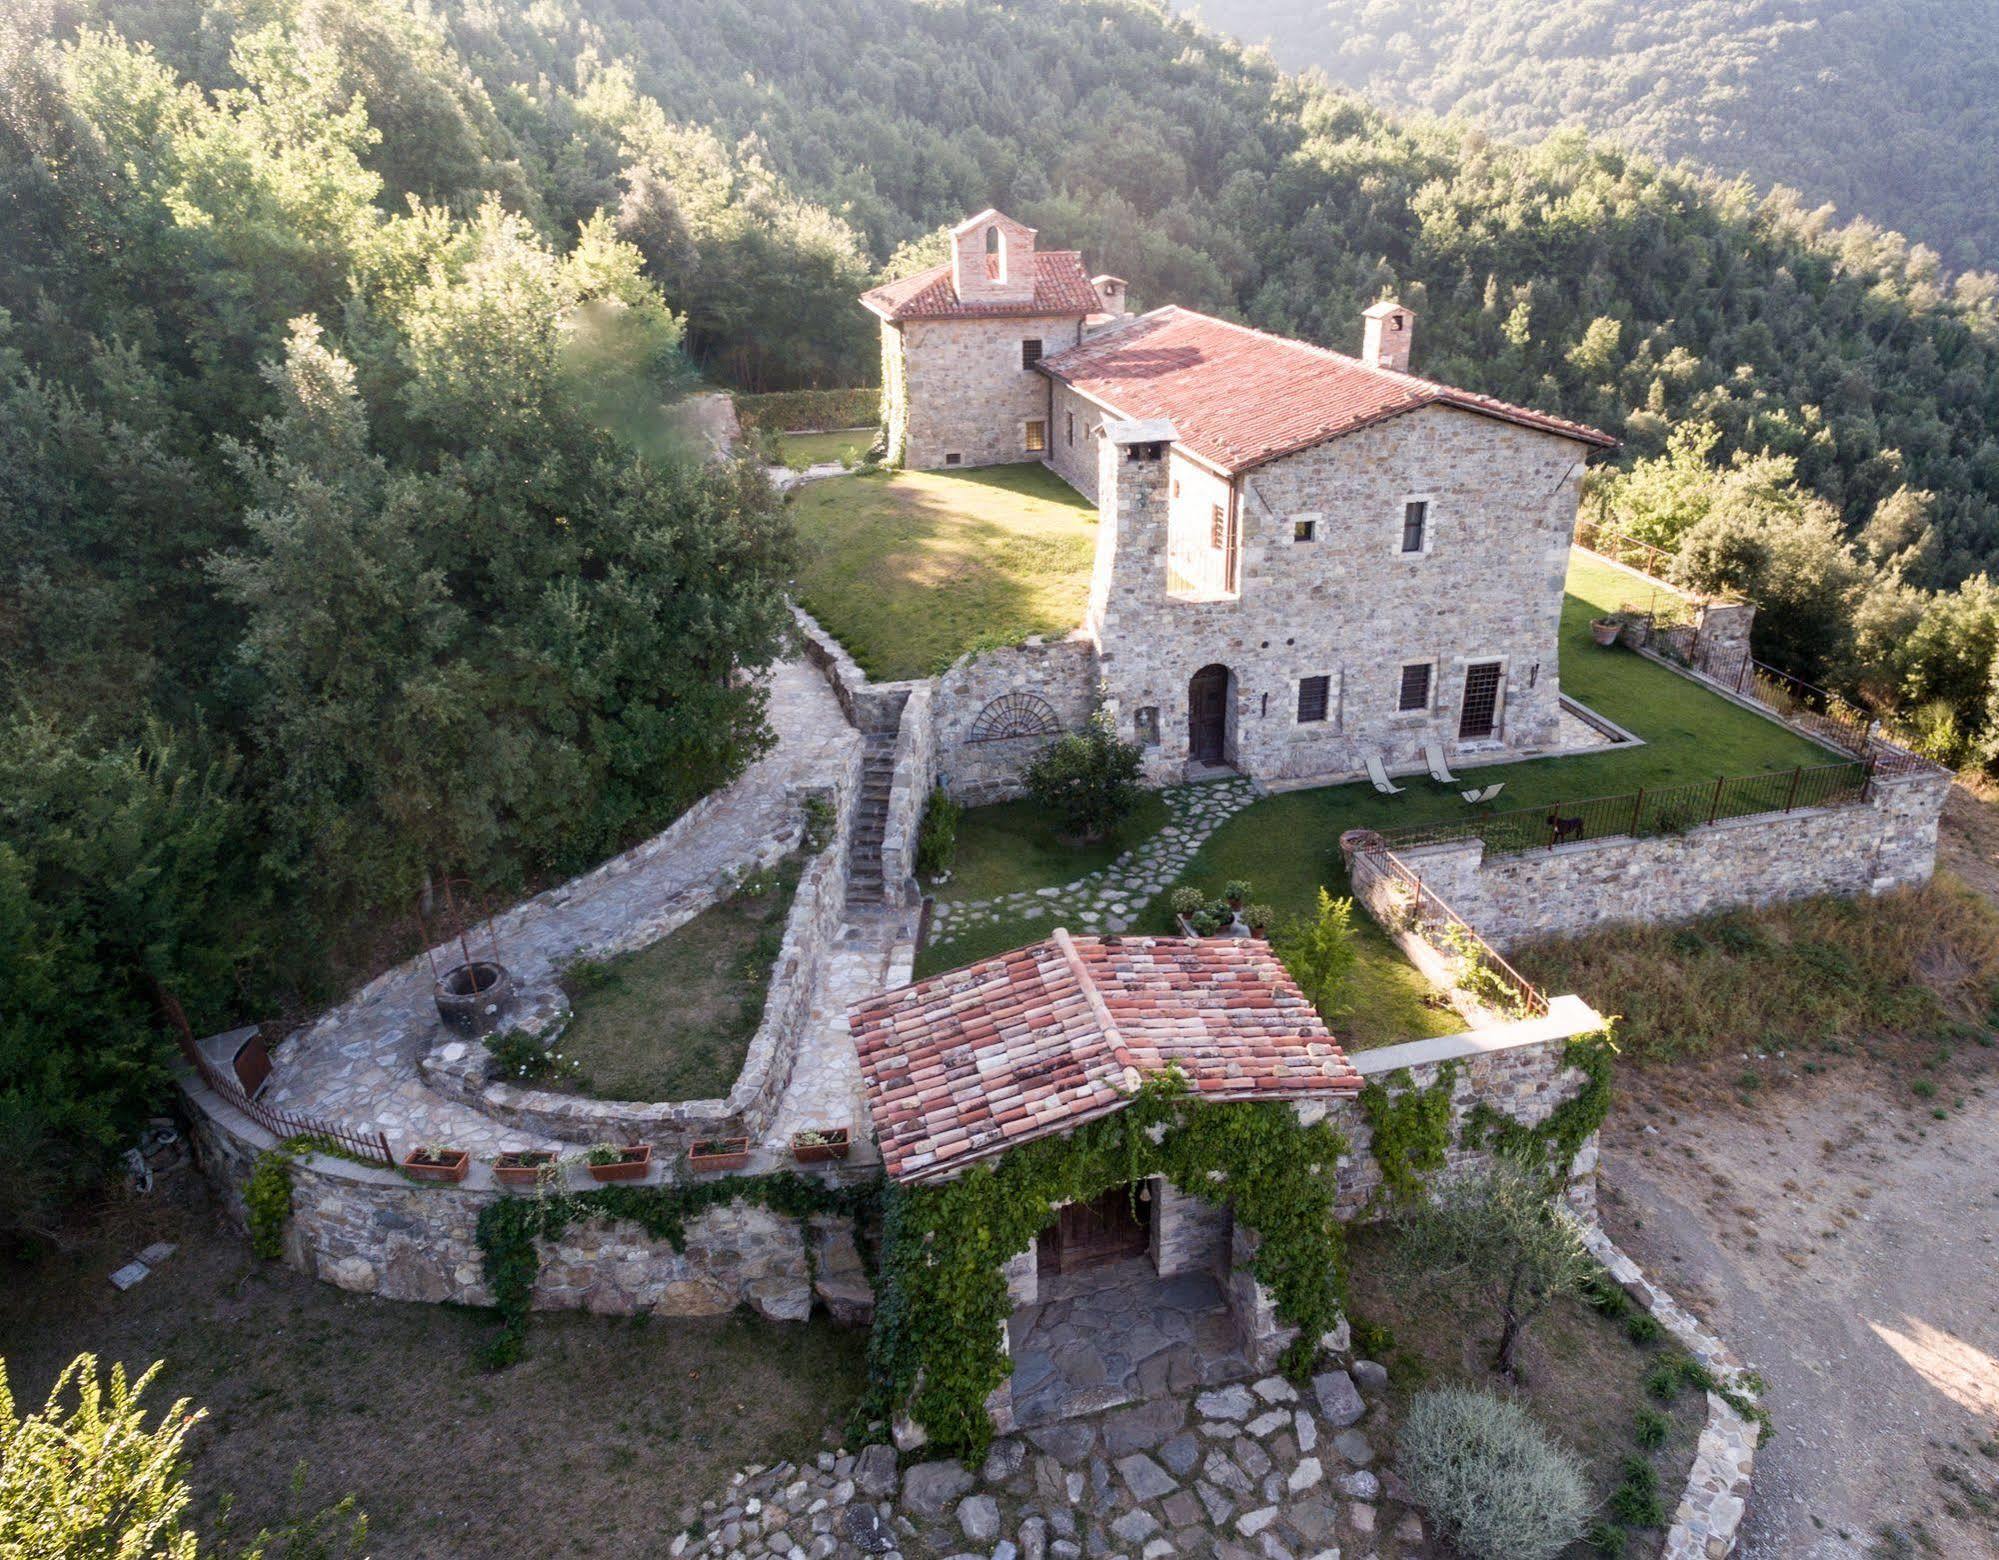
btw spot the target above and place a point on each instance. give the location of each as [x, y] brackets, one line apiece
[1140, 430]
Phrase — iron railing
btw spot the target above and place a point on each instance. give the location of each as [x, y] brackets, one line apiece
[368, 1147]
[1638, 814]
[1656, 562]
[1428, 912]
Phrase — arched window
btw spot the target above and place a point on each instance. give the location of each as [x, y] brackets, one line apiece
[995, 255]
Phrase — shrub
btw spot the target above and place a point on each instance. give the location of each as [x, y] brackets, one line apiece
[1635, 1502]
[1651, 1429]
[1187, 900]
[1491, 1478]
[1089, 778]
[1319, 952]
[937, 835]
[519, 1057]
[793, 411]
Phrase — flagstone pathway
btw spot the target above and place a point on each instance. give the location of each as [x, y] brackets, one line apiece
[1110, 898]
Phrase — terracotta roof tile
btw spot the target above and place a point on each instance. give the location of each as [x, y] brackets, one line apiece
[1060, 287]
[947, 1084]
[1241, 397]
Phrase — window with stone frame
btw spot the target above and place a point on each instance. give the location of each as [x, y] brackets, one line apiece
[1030, 352]
[1414, 693]
[1145, 723]
[1415, 525]
[1304, 530]
[1315, 697]
[1037, 437]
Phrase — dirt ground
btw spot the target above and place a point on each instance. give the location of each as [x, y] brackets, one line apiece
[1843, 1235]
[592, 1445]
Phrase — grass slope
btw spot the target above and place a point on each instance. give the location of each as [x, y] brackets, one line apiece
[911, 569]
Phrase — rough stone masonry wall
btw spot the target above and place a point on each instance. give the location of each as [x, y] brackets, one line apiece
[1885, 843]
[963, 390]
[909, 790]
[373, 1231]
[1348, 605]
[1063, 671]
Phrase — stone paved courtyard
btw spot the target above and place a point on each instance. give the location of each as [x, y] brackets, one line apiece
[1107, 899]
[358, 1064]
[1256, 1471]
[1119, 1334]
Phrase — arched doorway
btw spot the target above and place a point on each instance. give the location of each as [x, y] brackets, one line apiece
[1208, 715]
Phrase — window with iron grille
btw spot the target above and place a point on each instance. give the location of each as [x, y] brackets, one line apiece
[1415, 694]
[1314, 697]
[1030, 352]
[1037, 437]
[1480, 717]
[1415, 524]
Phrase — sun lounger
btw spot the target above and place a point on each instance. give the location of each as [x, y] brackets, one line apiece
[1379, 776]
[1481, 797]
[1439, 770]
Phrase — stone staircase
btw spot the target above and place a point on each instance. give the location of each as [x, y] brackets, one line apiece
[864, 846]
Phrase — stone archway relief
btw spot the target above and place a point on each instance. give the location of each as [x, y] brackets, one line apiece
[1015, 715]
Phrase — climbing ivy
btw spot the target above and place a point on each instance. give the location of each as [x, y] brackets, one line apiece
[267, 1197]
[1553, 1143]
[941, 1299]
[510, 1229]
[1411, 1129]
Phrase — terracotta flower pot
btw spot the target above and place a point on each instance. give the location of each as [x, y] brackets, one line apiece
[632, 1167]
[446, 1164]
[1605, 631]
[522, 1169]
[719, 1154]
[833, 1144]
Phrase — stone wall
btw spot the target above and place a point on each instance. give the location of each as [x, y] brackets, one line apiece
[1072, 444]
[1887, 842]
[1189, 1234]
[1063, 671]
[909, 791]
[958, 387]
[1347, 604]
[376, 1232]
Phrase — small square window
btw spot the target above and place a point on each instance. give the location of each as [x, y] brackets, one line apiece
[1314, 696]
[1415, 692]
[1304, 530]
[1145, 722]
[953, 458]
[1030, 352]
[1415, 524]
[1037, 437]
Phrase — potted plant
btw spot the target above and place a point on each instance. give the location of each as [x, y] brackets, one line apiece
[1604, 630]
[1259, 918]
[523, 1166]
[1187, 903]
[610, 1162]
[817, 1144]
[719, 1154]
[427, 1162]
[1235, 893]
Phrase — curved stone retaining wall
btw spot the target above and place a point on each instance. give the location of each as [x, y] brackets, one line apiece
[374, 1231]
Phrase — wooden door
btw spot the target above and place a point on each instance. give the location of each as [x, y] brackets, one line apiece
[1105, 1229]
[1207, 714]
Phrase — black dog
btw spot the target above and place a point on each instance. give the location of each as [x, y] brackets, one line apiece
[1564, 828]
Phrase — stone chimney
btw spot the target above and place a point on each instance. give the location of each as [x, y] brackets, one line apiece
[992, 259]
[1110, 296]
[1387, 335]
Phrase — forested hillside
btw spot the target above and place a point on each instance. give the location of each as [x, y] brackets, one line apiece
[344, 550]
[1890, 111]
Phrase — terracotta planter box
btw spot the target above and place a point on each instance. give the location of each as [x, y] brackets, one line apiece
[723, 1154]
[522, 1169]
[451, 1165]
[637, 1160]
[833, 1144]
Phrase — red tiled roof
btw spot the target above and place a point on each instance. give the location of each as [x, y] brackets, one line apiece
[964, 1065]
[1060, 287]
[1240, 397]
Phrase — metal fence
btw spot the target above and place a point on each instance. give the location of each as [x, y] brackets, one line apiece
[1428, 912]
[368, 1147]
[1664, 810]
[1642, 556]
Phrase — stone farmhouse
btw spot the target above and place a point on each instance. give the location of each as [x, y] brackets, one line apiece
[1304, 559]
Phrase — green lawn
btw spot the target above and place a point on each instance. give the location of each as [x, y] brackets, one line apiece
[1010, 846]
[799, 450]
[911, 569]
[674, 1020]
